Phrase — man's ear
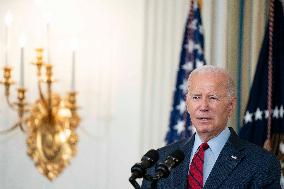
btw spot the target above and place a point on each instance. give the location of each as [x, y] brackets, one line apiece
[187, 101]
[232, 105]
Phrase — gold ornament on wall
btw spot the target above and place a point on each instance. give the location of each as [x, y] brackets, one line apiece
[50, 122]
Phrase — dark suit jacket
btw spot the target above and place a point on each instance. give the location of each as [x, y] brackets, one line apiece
[240, 165]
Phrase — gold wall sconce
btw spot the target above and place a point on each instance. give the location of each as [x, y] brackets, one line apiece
[50, 122]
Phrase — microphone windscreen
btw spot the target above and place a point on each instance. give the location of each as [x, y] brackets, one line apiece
[153, 154]
[151, 157]
[178, 154]
[174, 159]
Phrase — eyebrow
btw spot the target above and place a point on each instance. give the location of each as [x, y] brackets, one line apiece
[216, 95]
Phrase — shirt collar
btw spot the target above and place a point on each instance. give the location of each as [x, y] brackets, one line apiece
[216, 144]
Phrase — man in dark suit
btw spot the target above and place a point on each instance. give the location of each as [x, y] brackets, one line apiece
[215, 157]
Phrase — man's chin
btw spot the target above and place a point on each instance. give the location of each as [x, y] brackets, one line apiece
[202, 129]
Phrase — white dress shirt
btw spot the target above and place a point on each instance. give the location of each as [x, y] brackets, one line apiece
[216, 145]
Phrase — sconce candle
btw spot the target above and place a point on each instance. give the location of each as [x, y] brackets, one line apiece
[22, 61]
[47, 19]
[74, 45]
[8, 22]
[22, 80]
[73, 70]
[48, 41]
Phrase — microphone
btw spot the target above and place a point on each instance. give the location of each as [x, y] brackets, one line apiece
[148, 160]
[163, 169]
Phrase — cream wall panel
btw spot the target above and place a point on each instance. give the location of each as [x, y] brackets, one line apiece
[258, 23]
[164, 23]
[109, 62]
[219, 33]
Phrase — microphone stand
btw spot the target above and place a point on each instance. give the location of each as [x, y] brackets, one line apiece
[154, 184]
[153, 180]
[134, 183]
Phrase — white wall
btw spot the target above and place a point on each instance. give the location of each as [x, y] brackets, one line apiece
[164, 27]
[109, 61]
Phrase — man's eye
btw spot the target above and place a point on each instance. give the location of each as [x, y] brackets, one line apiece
[213, 98]
[195, 97]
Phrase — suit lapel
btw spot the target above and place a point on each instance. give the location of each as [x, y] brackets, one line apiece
[228, 159]
[179, 174]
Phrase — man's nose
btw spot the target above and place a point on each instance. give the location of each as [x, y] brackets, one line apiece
[204, 106]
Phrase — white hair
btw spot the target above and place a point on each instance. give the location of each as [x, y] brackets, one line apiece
[213, 69]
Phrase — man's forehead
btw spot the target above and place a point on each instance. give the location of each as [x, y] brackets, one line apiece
[208, 82]
[208, 74]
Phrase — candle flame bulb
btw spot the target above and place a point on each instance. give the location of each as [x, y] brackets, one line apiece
[8, 19]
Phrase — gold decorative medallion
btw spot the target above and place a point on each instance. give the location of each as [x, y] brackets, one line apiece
[52, 137]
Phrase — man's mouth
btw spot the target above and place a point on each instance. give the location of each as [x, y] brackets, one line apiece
[204, 118]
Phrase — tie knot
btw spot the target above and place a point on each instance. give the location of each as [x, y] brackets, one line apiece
[204, 146]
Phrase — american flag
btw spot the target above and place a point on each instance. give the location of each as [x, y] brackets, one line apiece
[192, 56]
[255, 124]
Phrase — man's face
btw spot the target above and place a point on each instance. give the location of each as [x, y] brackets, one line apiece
[208, 104]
